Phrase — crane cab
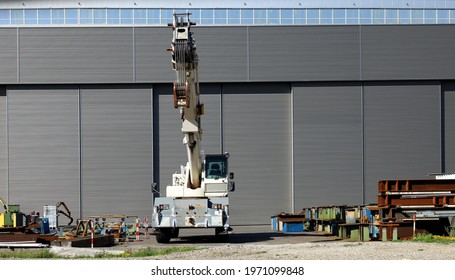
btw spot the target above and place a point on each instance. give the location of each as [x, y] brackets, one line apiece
[217, 179]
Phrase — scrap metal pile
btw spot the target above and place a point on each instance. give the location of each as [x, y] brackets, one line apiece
[426, 205]
[55, 226]
[404, 209]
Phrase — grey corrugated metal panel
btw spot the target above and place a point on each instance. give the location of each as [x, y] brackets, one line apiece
[223, 53]
[211, 120]
[449, 123]
[152, 61]
[43, 146]
[3, 145]
[170, 153]
[402, 132]
[408, 52]
[327, 144]
[117, 174]
[8, 55]
[76, 55]
[310, 53]
[257, 134]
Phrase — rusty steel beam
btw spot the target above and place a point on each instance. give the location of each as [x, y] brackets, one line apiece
[25, 237]
[387, 200]
[416, 185]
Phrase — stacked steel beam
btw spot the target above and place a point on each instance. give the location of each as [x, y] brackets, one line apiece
[426, 205]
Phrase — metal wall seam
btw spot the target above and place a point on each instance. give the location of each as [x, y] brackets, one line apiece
[362, 129]
[155, 142]
[7, 146]
[221, 120]
[442, 128]
[292, 149]
[362, 114]
[80, 148]
[18, 64]
[134, 55]
[248, 53]
[360, 54]
[151, 145]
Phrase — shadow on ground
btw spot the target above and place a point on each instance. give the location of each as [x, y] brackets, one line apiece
[257, 237]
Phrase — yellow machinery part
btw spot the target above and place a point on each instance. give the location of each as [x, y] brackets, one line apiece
[17, 219]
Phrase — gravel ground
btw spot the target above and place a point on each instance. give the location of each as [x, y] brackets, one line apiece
[260, 243]
[322, 251]
[338, 250]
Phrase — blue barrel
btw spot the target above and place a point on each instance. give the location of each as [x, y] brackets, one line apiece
[274, 224]
[44, 223]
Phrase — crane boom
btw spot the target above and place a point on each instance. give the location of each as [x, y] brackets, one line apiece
[186, 93]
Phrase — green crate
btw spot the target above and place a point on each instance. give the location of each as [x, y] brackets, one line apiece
[14, 208]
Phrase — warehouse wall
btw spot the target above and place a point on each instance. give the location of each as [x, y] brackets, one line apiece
[310, 115]
[413, 52]
[291, 145]
[43, 146]
[257, 134]
[402, 131]
[9, 71]
[323, 53]
[42, 55]
[76, 55]
[116, 149]
[89, 146]
[327, 144]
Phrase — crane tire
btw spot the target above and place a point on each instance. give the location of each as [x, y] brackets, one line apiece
[164, 236]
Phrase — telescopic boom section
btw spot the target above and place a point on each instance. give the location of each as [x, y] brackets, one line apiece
[186, 93]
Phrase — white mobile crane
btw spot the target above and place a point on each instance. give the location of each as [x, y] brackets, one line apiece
[198, 196]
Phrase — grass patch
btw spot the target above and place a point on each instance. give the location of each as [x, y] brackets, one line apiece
[141, 253]
[430, 238]
[46, 254]
[148, 252]
[353, 244]
[261, 252]
[28, 254]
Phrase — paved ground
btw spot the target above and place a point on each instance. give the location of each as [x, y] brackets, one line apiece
[240, 235]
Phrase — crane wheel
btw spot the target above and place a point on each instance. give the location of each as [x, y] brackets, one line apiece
[164, 236]
[221, 235]
[175, 233]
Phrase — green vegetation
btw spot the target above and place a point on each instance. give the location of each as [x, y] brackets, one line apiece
[430, 238]
[28, 254]
[148, 252]
[261, 252]
[353, 244]
[46, 254]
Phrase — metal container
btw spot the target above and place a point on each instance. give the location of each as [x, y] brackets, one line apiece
[14, 208]
[274, 224]
[350, 217]
[44, 224]
[50, 212]
[292, 227]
